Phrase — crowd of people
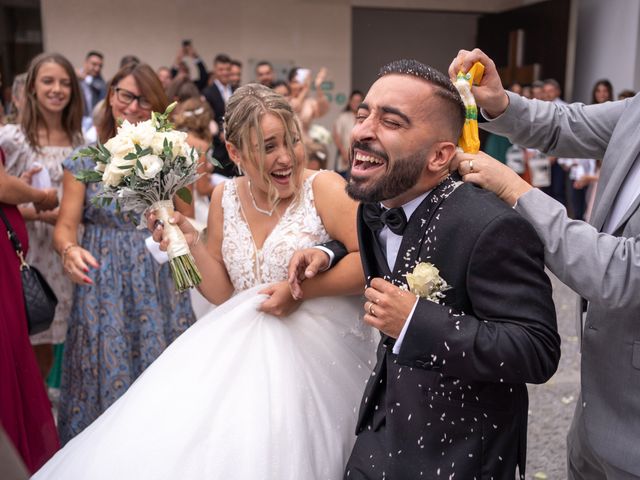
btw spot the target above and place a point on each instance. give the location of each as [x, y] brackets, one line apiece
[283, 255]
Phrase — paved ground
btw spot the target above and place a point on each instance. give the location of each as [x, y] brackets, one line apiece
[551, 405]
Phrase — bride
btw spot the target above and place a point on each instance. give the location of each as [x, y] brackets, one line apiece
[265, 386]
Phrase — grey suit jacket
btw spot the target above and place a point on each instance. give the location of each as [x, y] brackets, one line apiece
[604, 269]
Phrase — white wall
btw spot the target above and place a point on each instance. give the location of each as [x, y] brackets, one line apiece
[312, 34]
[607, 46]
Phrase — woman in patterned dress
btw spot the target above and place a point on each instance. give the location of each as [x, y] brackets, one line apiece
[49, 129]
[125, 310]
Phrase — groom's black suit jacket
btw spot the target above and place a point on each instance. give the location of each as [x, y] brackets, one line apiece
[454, 400]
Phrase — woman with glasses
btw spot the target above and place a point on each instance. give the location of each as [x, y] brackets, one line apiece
[125, 310]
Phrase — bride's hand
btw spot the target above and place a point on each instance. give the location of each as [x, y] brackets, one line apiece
[160, 235]
[280, 302]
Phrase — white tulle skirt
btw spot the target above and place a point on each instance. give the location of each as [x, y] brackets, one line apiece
[240, 395]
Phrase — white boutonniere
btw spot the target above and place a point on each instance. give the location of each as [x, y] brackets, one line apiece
[425, 282]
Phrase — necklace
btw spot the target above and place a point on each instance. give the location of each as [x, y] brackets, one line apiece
[253, 201]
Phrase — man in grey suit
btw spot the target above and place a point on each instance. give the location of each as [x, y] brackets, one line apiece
[600, 260]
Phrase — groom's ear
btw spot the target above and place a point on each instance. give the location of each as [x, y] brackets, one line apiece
[441, 155]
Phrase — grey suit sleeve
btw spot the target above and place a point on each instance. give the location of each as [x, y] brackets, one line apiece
[600, 267]
[575, 130]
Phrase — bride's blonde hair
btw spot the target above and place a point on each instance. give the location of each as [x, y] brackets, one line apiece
[246, 108]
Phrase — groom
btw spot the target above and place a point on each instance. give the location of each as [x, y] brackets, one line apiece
[447, 395]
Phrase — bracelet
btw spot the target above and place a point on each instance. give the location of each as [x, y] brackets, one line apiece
[66, 250]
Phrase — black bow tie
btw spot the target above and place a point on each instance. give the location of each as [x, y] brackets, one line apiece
[377, 217]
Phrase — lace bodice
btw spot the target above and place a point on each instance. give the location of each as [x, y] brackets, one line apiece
[299, 227]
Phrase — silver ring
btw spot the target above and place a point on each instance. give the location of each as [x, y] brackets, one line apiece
[371, 312]
[158, 223]
[470, 166]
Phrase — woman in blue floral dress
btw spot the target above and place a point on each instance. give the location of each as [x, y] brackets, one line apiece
[126, 310]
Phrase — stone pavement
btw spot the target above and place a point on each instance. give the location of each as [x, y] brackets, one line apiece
[551, 405]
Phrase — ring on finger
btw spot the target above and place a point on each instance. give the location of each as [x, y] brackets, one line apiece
[470, 166]
[158, 223]
[371, 312]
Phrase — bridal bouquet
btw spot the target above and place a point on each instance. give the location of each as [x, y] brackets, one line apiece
[142, 168]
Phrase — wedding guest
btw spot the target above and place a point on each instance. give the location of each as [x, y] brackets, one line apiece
[235, 74]
[194, 116]
[180, 68]
[125, 310]
[265, 74]
[17, 99]
[317, 155]
[626, 94]
[342, 132]
[599, 260]
[602, 91]
[127, 59]
[282, 88]
[164, 75]
[181, 89]
[49, 130]
[307, 108]
[217, 95]
[92, 84]
[25, 411]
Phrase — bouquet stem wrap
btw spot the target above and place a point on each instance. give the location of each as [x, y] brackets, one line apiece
[183, 267]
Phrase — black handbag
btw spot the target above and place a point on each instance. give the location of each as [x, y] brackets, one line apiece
[39, 300]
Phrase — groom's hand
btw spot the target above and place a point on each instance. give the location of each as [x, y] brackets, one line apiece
[388, 307]
[305, 264]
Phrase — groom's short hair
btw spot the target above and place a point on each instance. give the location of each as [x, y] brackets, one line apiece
[451, 102]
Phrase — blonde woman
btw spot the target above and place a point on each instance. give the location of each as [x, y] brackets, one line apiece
[265, 386]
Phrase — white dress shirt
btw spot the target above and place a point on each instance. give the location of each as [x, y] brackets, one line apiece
[225, 90]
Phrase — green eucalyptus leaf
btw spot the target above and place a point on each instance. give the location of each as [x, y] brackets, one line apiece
[185, 194]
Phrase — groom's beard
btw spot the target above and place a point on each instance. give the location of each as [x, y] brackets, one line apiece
[403, 175]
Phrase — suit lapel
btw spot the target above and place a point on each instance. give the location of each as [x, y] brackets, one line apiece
[612, 176]
[627, 215]
[419, 224]
[374, 261]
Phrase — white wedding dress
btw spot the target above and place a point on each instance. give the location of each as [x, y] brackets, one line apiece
[241, 395]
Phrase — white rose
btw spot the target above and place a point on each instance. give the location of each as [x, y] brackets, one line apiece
[143, 133]
[113, 174]
[100, 167]
[151, 165]
[424, 279]
[157, 143]
[119, 146]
